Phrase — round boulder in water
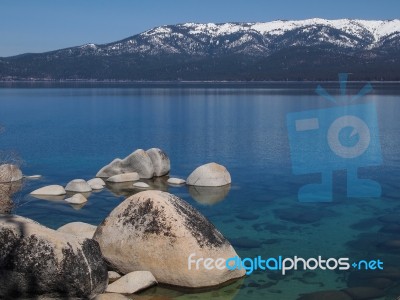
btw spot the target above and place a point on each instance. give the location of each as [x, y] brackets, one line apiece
[171, 234]
[160, 160]
[78, 186]
[211, 174]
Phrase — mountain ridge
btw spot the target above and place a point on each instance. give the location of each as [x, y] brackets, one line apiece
[279, 50]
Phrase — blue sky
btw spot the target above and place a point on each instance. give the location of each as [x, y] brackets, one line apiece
[43, 25]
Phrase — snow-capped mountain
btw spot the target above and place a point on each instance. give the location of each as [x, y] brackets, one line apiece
[252, 38]
[249, 48]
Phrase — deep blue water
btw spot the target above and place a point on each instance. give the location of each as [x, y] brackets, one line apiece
[70, 131]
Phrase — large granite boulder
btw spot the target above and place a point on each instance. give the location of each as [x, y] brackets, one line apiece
[78, 186]
[158, 232]
[113, 168]
[160, 160]
[210, 174]
[6, 204]
[10, 173]
[36, 260]
[138, 161]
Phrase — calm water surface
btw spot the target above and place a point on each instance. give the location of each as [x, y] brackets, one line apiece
[66, 132]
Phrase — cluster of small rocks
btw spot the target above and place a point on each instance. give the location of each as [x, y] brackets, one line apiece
[124, 253]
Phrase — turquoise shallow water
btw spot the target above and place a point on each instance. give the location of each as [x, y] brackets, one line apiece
[70, 131]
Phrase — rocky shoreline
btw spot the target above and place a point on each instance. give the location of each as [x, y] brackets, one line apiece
[145, 240]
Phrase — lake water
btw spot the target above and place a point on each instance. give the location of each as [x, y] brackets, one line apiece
[69, 131]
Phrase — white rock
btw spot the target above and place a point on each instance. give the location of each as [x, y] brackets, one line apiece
[50, 190]
[10, 173]
[113, 276]
[33, 176]
[79, 229]
[132, 283]
[176, 181]
[78, 186]
[160, 160]
[113, 168]
[168, 231]
[124, 177]
[139, 161]
[210, 174]
[141, 185]
[97, 187]
[76, 199]
[96, 182]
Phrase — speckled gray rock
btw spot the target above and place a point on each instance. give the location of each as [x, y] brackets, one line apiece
[50, 190]
[168, 230]
[37, 260]
[160, 160]
[10, 173]
[127, 177]
[79, 229]
[78, 186]
[210, 174]
[132, 283]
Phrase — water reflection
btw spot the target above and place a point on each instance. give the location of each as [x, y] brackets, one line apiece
[208, 195]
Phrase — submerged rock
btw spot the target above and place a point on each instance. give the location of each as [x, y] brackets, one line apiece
[326, 295]
[160, 160]
[364, 292]
[78, 186]
[126, 177]
[168, 231]
[141, 185]
[50, 190]
[132, 283]
[210, 174]
[10, 173]
[37, 260]
[79, 229]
